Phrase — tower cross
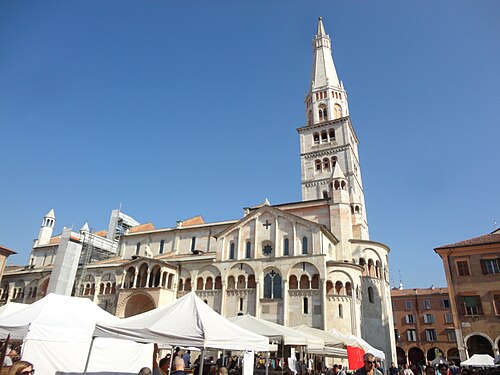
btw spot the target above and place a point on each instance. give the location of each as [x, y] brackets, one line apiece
[267, 224]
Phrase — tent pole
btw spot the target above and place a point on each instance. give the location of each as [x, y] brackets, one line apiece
[88, 355]
[267, 363]
[201, 361]
[171, 360]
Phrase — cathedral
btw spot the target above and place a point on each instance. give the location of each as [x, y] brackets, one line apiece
[309, 262]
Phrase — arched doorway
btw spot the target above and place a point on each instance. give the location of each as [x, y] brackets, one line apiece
[477, 344]
[401, 355]
[138, 304]
[453, 355]
[416, 356]
[433, 353]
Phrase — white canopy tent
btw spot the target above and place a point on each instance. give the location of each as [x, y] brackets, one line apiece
[479, 360]
[333, 345]
[351, 340]
[277, 332]
[12, 307]
[186, 322]
[57, 331]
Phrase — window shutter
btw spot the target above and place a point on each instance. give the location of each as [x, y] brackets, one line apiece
[460, 305]
[483, 267]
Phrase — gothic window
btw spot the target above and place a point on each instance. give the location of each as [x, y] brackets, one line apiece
[241, 282]
[318, 165]
[231, 250]
[370, 295]
[326, 164]
[272, 285]
[306, 305]
[348, 288]
[339, 287]
[323, 114]
[316, 138]
[304, 282]
[209, 285]
[329, 287]
[251, 282]
[334, 161]
[331, 134]
[337, 111]
[137, 248]
[231, 283]
[324, 136]
[286, 246]
[248, 249]
[218, 282]
[292, 282]
[187, 285]
[343, 185]
[193, 244]
[304, 245]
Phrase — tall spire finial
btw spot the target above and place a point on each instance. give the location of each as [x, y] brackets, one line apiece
[321, 28]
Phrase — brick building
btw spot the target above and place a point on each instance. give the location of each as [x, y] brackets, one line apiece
[423, 324]
[472, 270]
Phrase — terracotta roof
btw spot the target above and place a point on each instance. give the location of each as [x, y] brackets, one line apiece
[142, 228]
[55, 240]
[418, 291]
[7, 250]
[197, 220]
[101, 233]
[487, 239]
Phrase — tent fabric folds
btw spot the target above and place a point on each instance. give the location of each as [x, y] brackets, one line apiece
[479, 360]
[187, 321]
[351, 340]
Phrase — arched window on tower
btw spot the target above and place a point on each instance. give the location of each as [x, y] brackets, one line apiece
[337, 111]
[322, 112]
[331, 134]
[326, 164]
[334, 161]
[324, 136]
[316, 138]
[318, 165]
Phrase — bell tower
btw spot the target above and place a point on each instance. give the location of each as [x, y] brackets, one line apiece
[328, 138]
[47, 228]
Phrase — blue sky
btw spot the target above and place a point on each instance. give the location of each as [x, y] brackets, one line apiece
[175, 109]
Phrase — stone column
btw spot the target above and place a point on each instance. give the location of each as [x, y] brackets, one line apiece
[223, 298]
[147, 277]
[322, 283]
[257, 298]
[136, 273]
[124, 274]
[285, 302]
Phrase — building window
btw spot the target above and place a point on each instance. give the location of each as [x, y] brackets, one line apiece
[326, 164]
[451, 335]
[286, 246]
[408, 305]
[430, 335]
[470, 305]
[410, 319]
[411, 334]
[370, 295]
[137, 248]
[446, 304]
[241, 304]
[427, 304]
[318, 165]
[231, 251]
[322, 112]
[331, 134]
[489, 266]
[428, 318]
[162, 245]
[304, 245]
[396, 334]
[341, 311]
[272, 285]
[448, 318]
[193, 244]
[496, 303]
[463, 268]
[306, 305]
[248, 249]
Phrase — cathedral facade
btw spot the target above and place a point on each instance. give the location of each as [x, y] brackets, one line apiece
[309, 262]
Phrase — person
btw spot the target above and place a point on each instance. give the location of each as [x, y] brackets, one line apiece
[406, 370]
[10, 357]
[178, 366]
[187, 359]
[430, 370]
[341, 370]
[393, 370]
[22, 368]
[220, 361]
[443, 369]
[369, 366]
[454, 369]
[222, 371]
[145, 371]
[379, 367]
[160, 368]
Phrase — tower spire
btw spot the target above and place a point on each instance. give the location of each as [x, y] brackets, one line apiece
[324, 72]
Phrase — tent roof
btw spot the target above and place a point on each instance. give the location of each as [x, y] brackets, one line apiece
[328, 339]
[275, 331]
[186, 322]
[12, 307]
[479, 360]
[54, 318]
[351, 340]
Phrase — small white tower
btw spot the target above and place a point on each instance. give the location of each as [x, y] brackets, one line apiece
[47, 228]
